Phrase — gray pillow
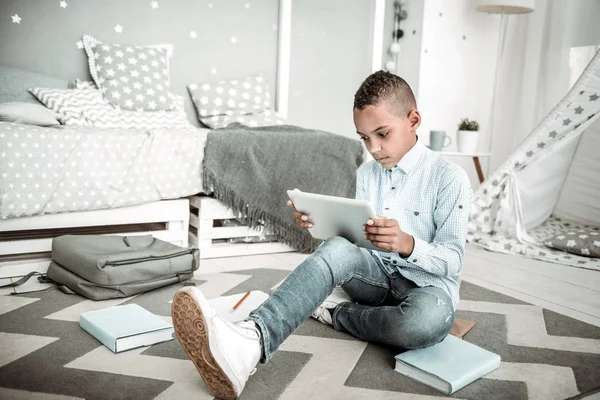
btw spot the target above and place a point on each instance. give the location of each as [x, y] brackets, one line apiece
[27, 113]
[583, 242]
[15, 82]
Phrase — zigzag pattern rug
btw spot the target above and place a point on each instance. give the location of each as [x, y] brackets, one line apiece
[44, 354]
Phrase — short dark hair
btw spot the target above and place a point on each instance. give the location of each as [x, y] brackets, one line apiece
[385, 87]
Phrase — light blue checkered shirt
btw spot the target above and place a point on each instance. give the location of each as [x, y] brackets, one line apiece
[429, 197]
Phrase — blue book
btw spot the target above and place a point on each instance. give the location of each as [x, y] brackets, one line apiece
[125, 327]
[449, 365]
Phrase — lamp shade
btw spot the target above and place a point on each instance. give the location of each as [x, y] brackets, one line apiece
[505, 6]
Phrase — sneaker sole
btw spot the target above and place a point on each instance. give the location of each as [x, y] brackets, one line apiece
[191, 330]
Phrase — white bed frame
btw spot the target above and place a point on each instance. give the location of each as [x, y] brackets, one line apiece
[211, 239]
[188, 222]
[175, 213]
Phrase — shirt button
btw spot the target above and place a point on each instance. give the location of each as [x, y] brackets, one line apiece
[416, 213]
[394, 262]
[393, 187]
[414, 260]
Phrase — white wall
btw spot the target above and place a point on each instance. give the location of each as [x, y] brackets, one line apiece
[457, 64]
[408, 59]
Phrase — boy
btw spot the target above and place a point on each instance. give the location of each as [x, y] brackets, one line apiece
[402, 296]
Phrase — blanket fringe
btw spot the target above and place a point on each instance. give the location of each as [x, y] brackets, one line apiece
[285, 232]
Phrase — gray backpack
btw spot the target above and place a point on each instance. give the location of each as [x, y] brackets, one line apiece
[104, 267]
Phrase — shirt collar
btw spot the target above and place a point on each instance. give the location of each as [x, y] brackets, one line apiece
[411, 158]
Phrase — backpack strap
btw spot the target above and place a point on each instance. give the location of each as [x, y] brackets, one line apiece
[20, 281]
[42, 278]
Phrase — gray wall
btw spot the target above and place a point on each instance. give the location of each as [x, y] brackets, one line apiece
[330, 57]
[330, 45]
[45, 40]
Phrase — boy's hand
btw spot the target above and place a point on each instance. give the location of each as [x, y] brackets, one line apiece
[301, 219]
[386, 234]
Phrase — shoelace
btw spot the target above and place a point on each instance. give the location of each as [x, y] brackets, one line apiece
[318, 315]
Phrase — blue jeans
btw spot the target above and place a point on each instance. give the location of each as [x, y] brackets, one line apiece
[389, 310]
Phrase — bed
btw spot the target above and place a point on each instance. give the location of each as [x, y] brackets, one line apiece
[110, 179]
[58, 179]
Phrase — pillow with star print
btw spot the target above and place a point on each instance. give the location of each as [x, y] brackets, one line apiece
[130, 77]
[229, 100]
[583, 242]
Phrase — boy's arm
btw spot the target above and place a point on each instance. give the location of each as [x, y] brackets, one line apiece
[444, 256]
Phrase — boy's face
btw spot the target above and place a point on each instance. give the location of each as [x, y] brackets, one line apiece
[387, 136]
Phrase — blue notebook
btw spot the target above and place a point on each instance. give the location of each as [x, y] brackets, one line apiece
[449, 365]
[125, 327]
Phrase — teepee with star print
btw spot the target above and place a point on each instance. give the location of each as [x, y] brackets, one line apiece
[553, 175]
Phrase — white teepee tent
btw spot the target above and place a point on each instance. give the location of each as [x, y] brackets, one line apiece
[548, 190]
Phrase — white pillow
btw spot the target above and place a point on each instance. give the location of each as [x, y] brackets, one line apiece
[27, 113]
[86, 107]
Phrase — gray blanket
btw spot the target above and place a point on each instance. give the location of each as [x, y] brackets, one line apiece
[250, 170]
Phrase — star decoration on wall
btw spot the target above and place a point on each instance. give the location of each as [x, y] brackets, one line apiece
[553, 134]
[79, 44]
[193, 34]
[594, 97]
[16, 19]
[118, 28]
[63, 4]
[578, 110]
[541, 145]
[154, 5]
[566, 121]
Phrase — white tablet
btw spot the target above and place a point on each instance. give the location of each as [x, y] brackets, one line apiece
[335, 216]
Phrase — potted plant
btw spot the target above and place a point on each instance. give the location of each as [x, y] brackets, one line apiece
[467, 136]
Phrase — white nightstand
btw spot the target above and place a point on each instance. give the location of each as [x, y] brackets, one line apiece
[475, 157]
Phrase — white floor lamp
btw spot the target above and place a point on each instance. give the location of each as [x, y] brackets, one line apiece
[502, 7]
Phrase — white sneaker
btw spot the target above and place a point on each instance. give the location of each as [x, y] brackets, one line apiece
[224, 354]
[322, 314]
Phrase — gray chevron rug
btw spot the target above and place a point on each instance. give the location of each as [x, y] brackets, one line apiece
[44, 354]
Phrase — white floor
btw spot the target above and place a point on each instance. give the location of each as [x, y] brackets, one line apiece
[570, 291]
